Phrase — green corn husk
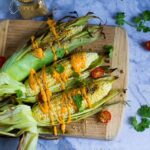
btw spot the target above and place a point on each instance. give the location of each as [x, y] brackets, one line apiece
[20, 64]
[96, 99]
[9, 86]
[18, 120]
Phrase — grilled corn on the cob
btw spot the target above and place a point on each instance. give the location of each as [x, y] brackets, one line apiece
[81, 60]
[63, 105]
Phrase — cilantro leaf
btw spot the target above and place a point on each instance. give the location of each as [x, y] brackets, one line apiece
[75, 75]
[60, 68]
[50, 69]
[120, 16]
[145, 123]
[19, 93]
[78, 100]
[137, 20]
[146, 15]
[144, 111]
[140, 21]
[134, 122]
[108, 50]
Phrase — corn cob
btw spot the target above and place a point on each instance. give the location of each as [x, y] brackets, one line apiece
[63, 106]
[67, 73]
[75, 35]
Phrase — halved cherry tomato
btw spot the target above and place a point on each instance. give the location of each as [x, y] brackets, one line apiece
[147, 44]
[97, 72]
[2, 60]
[104, 116]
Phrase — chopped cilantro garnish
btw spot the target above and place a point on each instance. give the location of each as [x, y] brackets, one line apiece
[144, 111]
[108, 50]
[145, 123]
[78, 100]
[19, 93]
[75, 75]
[60, 68]
[139, 20]
[120, 16]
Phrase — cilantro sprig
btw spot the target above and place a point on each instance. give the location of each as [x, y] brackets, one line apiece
[144, 113]
[139, 21]
[144, 124]
[120, 19]
[60, 68]
[19, 93]
[78, 100]
[108, 50]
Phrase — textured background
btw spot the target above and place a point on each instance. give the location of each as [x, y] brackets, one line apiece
[139, 73]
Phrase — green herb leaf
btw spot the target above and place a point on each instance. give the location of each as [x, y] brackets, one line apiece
[60, 68]
[19, 93]
[134, 122]
[146, 15]
[50, 70]
[78, 100]
[145, 123]
[75, 75]
[144, 111]
[137, 20]
[108, 50]
[120, 16]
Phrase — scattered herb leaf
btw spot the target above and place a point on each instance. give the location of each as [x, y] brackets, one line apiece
[108, 50]
[60, 68]
[120, 16]
[75, 75]
[145, 123]
[78, 100]
[19, 93]
[144, 111]
[138, 20]
[50, 70]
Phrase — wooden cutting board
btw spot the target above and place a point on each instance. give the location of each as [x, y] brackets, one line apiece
[14, 33]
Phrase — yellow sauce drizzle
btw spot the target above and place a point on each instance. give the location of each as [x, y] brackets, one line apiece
[38, 52]
[58, 78]
[78, 61]
[52, 25]
[55, 131]
[32, 81]
[83, 91]
[46, 94]
[69, 115]
[54, 51]
[63, 127]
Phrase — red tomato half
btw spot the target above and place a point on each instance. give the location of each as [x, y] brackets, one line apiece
[104, 116]
[147, 44]
[2, 60]
[97, 72]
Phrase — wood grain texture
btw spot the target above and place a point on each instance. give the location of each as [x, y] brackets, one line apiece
[15, 33]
